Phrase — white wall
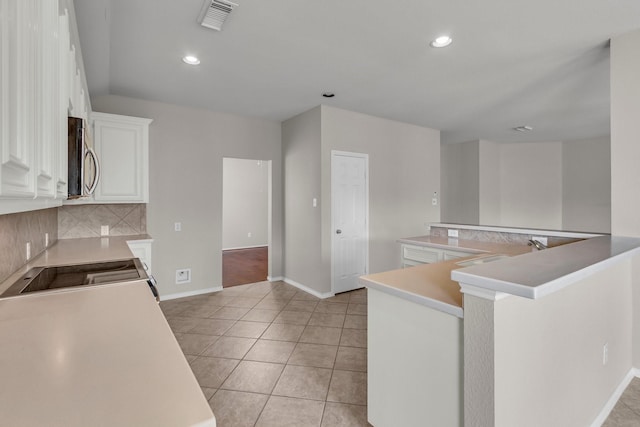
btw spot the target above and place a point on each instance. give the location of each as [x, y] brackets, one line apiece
[459, 172]
[244, 203]
[586, 185]
[548, 352]
[404, 172]
[489, 211]
[625, 152]
[301, 141]
[186, 148]
[531, 185]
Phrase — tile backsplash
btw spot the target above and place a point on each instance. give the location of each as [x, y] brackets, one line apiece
[78, 221]
[18, 229]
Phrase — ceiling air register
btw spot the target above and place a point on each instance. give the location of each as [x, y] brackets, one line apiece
[214, 13]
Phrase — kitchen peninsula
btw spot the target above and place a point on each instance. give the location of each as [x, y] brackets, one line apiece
[489, 344]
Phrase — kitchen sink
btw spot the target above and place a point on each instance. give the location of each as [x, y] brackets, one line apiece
[481, 260]
[39, 279]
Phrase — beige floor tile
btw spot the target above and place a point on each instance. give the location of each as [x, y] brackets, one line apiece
[244, 302]
[200, 310]
[343, 415]
[190, 357]
[194, 343]
[354, 338]
[304, 382]
[212, 326]
[229, 347]
[174, 307]
[247, 329]
[272, 304]
[219, 299]
[321, 335]
[301, 305]
[182, 324]
[331, 307]
[342, 298]
[230, 313]
[631, 397]
[348, 387]
[357, 309]
[271, 351]
[212, 371]
[351, 359]
[327, 319]
[259, 315]
[283, 292]
[283, 332]
[354, 321]
[255, 377]
[622, 416]
[316, 355]
[208, 392]
[236, 408]
[290, 412]
[302, 295]
[293, 317]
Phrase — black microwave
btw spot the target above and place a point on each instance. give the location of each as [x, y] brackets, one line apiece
[84, 168]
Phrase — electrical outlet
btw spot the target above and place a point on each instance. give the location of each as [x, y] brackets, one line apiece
[434, 201]
[177, 226]
[543, 240]
[605, 354]
[183, 276]
[452, 233]
[249, 234]
[104, 230]
[28, 251]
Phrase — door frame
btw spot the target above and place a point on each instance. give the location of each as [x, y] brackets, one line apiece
[364, 156]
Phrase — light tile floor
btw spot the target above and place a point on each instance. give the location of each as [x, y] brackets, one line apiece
[267, 354]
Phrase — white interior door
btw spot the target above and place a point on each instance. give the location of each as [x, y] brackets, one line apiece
[350, 212]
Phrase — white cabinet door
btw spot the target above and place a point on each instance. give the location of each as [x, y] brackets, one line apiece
[122, 146]
[62, 156]
[19, 60]
[141, 249]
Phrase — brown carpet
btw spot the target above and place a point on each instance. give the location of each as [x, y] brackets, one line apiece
[242, 266]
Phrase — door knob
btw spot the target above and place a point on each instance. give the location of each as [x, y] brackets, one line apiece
[338, 231]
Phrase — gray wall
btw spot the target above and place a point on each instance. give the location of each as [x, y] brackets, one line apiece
[489, 186]
[586, 185]
[186, 148]
[404, 171]
[245, 192]
[625, 152]
[460, 194]
[301, 153]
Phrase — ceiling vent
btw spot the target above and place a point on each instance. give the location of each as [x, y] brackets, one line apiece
[214, 13]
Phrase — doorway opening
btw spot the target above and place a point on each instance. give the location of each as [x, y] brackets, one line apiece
[246, 220]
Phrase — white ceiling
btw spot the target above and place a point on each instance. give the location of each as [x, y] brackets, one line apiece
[543, 63]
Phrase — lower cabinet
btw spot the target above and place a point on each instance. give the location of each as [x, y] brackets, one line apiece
[416, 255]
[141, 249]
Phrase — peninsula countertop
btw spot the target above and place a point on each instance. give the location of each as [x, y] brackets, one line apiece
[431, 284]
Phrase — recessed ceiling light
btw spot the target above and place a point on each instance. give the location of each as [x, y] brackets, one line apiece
[328, 94]
[442, 41]
[525, 128]
[191, 60]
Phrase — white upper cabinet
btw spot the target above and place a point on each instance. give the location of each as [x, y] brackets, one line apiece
[41, 82]
[122, 146]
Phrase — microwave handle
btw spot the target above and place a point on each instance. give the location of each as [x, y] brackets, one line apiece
[96, 177]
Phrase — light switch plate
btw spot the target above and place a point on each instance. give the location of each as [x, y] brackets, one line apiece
[452, 233]
[104, 230]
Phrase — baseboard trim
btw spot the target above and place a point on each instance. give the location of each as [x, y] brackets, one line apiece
[307, 289]
[615, 396]
[189, 293]
[245, 247]
[275, 279]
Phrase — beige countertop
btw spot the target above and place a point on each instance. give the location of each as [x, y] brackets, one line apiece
[100, 356]
[431, 284]
[471, 246]
[78, 251]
